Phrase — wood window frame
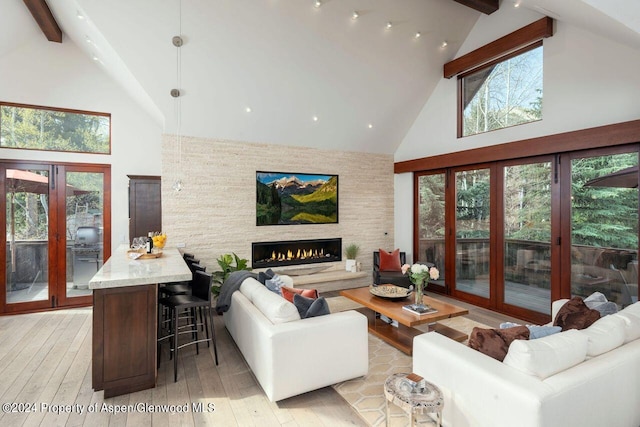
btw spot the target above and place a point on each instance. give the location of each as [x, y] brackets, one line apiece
[516, 43]
[518, 39]
[608, 139]
[601, 136]
[64, 110]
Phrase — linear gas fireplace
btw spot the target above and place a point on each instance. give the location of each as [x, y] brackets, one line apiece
[294, 252]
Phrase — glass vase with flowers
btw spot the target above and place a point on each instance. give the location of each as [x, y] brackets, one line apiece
[419, 275]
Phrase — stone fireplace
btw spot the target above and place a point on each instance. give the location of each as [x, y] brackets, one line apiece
[295, 252]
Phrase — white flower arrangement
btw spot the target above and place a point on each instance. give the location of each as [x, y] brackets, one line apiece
[419, 273]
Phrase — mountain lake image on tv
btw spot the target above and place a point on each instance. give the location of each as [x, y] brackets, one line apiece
[296, 198]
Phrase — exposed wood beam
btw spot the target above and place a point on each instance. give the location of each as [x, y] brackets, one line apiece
[525, 36]
[484, 6]
[43, 16]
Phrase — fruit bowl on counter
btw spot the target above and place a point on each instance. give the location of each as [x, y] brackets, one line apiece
[159, 240]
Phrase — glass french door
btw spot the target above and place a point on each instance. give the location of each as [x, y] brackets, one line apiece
[603, 255]
[431, 225]
[472, 225]
[527, 246]
[55, 240]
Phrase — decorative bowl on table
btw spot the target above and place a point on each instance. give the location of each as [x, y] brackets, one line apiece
[390, 291]
[159, 240]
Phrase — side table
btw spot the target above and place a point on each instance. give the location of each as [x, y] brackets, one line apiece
[426, 401]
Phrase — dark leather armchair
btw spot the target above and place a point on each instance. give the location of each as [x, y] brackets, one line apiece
[390, 277]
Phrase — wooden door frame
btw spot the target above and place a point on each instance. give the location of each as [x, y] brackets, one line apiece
[56, 237]
[60, 278]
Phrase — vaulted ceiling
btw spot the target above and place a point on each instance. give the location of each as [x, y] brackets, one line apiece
[336, 74]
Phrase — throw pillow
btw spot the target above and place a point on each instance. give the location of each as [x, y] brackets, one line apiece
[288, 293]
[598, 301]
[274, 284]
[263, 276]
[575, 315]
[310, 307]
[390, 261]
[506, 325]
[535, 331]
[495, 342]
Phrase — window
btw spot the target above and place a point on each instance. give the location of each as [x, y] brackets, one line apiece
[43, 128]
[503, 94]
[500, 83]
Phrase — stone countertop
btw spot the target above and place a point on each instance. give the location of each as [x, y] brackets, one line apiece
[120, 271]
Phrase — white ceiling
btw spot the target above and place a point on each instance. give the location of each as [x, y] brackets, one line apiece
[287, 60]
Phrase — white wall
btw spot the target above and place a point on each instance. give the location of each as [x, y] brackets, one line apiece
[60, 75]
[588, 81]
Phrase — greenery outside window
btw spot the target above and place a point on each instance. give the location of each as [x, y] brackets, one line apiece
[53, 129]
[503, 93]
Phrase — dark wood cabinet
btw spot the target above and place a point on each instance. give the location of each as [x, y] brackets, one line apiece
[145, 205]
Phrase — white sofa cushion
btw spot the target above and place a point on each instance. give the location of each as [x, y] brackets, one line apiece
[250, 287]
[604, 335]
[631, 325]
[273, 306]
[548, 355]
[633, 309]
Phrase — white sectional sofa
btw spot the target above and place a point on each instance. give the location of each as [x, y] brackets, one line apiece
[289, 355]
[586, 378]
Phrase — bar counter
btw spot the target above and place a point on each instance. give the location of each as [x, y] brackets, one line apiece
[125, 304]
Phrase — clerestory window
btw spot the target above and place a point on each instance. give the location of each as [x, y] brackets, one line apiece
[500, 83]
[54, 129]
[505, 93]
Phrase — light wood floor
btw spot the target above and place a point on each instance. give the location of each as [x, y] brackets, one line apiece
[45, 377]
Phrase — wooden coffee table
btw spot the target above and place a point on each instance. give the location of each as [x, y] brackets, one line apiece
[401, 336]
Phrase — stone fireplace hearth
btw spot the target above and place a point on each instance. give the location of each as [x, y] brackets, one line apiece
[295, 252]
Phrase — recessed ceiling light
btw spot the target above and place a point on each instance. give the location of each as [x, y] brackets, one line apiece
[444, 44]
[417, 35]
[516, 4]
[370, 125]
[88, 39]
[317, 4]
[79, 15]
[389, 25]
[248, 109]
[315, 118]
[355, 15]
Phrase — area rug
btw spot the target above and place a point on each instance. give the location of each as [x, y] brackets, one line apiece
[365, 394]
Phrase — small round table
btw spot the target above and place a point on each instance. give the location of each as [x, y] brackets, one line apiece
[424, 401]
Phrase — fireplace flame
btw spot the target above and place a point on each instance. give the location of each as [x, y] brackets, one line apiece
[300, 254]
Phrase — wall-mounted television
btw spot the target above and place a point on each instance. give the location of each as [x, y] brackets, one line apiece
[296, 198]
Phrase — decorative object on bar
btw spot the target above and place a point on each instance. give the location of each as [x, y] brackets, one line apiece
[351, 252]
[419, 274]
[296, 198]
[159, 239]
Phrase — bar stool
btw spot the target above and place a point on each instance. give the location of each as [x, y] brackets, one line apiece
[181, 288]
[200, 298]
[177, 288]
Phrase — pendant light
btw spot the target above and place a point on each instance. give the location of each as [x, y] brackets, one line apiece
[177, 41]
